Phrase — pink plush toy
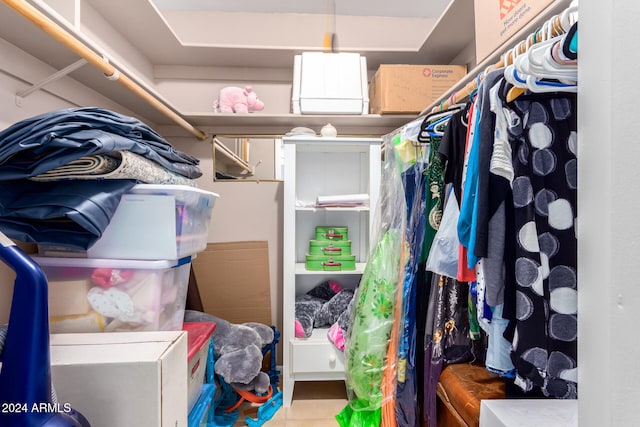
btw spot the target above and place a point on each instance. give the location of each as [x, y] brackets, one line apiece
[233, 99]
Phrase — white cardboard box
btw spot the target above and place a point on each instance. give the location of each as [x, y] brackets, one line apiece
[124, 379]
[528, 413]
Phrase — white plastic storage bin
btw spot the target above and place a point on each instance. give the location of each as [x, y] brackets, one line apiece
[106, 295]
[152, 222]
[330, 83]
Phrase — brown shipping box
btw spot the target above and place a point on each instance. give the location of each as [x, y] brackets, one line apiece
[233, 281]
[498, 20]
[409, 89]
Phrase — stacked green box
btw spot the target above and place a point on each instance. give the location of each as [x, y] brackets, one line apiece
[330, 251]
[331, 233]
[330, 247]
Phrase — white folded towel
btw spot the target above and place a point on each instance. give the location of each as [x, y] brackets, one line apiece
[343, 200]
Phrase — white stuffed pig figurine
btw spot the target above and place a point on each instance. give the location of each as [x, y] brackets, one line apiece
[233, 99]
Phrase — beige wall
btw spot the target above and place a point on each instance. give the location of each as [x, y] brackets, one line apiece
[245, 211]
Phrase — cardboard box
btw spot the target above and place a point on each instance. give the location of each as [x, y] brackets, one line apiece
[233, 281]
[409, 89]
[498, 20]
[124, 379]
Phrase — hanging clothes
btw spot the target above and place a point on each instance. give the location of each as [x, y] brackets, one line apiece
[544, 339]
[434, 199]
[406, 404]
[456, 153]
[414, 189]
[447, 336]
[423, 188]
[376, 313]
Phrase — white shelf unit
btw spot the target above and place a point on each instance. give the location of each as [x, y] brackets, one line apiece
[314, 167]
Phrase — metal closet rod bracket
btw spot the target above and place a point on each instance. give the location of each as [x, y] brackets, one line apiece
[20, 95]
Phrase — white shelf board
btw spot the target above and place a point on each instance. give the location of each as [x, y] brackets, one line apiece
[301, 270]
[259, 123]
[332, 209]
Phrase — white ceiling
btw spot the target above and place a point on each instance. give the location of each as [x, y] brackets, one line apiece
[258, 33]
[255, 33]
[399, 8]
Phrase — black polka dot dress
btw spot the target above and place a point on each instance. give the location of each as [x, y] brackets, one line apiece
[544, 342]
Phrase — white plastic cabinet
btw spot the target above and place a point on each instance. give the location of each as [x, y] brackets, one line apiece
[317, 166]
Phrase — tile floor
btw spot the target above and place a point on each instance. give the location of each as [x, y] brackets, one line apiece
[315, 404]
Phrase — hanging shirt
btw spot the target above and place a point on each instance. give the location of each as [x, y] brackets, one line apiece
[452, 149]
[545, 257]
[500, 178]
[484, 137]
[465, 274]
[469, 189]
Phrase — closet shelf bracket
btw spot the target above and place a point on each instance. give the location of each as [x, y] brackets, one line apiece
[20, 95]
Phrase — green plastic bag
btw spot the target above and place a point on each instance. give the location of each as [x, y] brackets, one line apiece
[349, 417]
[366, 347]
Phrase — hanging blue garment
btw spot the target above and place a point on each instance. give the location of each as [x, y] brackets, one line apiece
[61, 213]
[406, 390]
[44, 142]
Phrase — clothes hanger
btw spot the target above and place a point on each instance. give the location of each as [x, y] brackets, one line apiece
[424, 136]
[559, 56]
[413, 129]
[545, 66]
[435, 128]
[563, 70]
[570, 42]
[541, 86]
[569, 16]
[539, 63]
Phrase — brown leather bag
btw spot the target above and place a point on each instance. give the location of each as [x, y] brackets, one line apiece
[461, 387]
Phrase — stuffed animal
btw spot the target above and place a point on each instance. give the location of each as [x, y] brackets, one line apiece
[237, 350]
[337, 333]
[321, 307]
[233, 99]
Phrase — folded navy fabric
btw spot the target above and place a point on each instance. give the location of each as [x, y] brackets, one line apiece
[44, 142]
[61, 213]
